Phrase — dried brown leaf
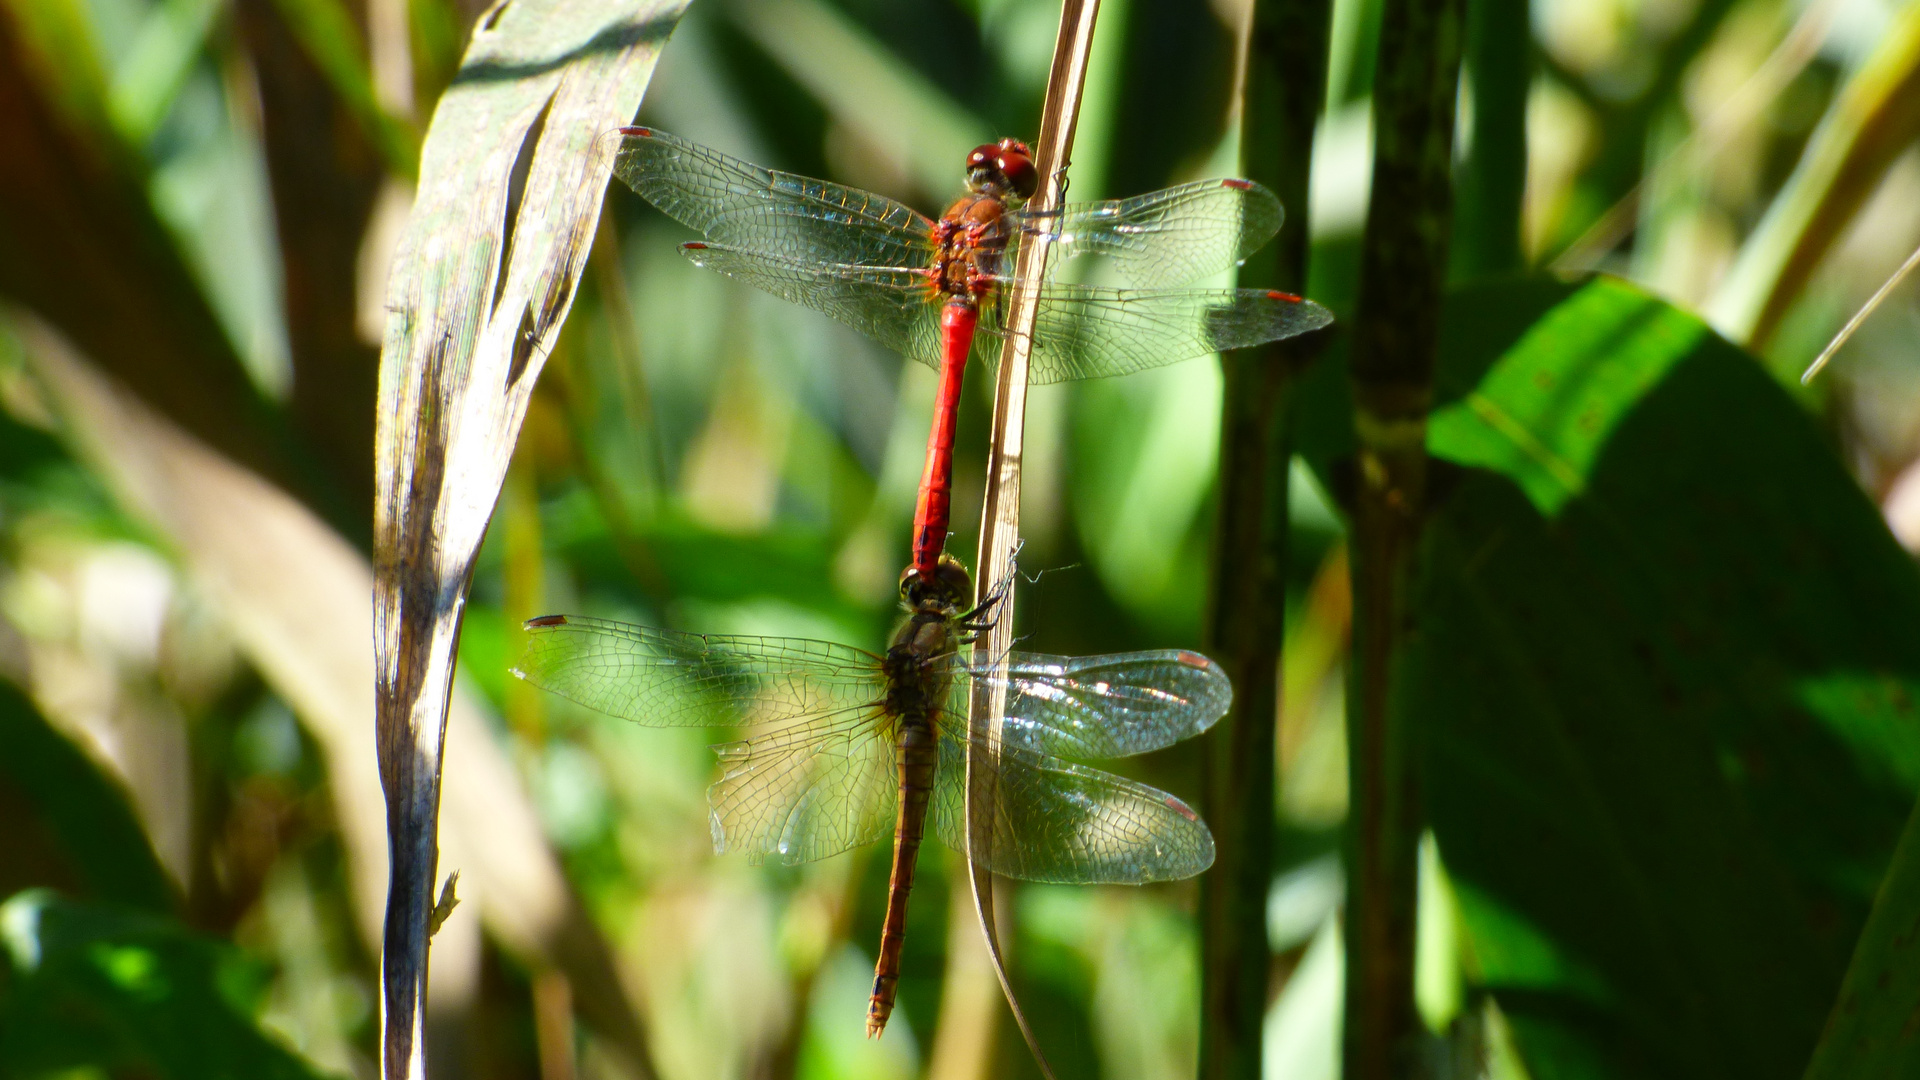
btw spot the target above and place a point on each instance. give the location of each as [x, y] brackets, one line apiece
[510, 186]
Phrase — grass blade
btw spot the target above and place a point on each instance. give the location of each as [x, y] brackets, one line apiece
[323, 193]
[85, 250]
[1493, 179]
[1873, 304]
[865, 86]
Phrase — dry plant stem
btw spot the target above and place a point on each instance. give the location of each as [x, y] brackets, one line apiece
[1284, 86]
[1403, 265]
[512, 175]
[1000, 513]
[1872, 304]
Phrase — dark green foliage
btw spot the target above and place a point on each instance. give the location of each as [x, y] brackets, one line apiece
[1667, 664]
[1871, 1031]
[61, 803]
[97, 984]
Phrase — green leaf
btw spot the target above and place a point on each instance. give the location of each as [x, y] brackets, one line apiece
[1665, 666]
[95, 984]
[85, 813]
[147, 82]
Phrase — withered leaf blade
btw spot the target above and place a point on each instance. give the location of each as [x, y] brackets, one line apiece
[511, 177]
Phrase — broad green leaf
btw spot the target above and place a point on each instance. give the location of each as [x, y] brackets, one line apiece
[1668, 659]
[1665, 667]
[100, 985]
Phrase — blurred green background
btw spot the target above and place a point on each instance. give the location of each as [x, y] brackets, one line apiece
[198, 200]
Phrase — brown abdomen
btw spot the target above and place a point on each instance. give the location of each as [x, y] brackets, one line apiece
[915, 756]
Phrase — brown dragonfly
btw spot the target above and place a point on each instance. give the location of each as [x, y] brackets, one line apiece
[846, 747]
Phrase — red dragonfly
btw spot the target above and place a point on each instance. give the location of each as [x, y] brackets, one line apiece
[845, 747]
[933, 289]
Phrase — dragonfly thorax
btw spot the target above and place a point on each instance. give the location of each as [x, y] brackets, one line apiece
[916, 669]
[970, 238]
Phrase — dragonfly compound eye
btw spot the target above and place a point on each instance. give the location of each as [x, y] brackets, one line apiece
[983, 171]
[1015, 162]
[954, 580]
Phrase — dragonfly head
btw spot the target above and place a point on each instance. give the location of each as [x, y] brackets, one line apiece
[1002, 169]
[947, 590]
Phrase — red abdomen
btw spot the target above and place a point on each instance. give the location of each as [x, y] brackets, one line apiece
[933, 510]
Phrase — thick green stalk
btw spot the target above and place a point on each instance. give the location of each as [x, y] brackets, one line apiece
[1285, 87]
[1493, 184]
[1403, 268]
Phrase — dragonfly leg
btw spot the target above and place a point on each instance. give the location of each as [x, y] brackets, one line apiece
[981, 618]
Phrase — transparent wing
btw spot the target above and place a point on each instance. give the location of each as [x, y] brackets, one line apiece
[806, 791]
[896, 308]
[1056, 821]
[1166, 237]
[1080, 331]
[736, 202]
[814, 777]
[665, 678]
[1091, 332]
[1108, 706]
